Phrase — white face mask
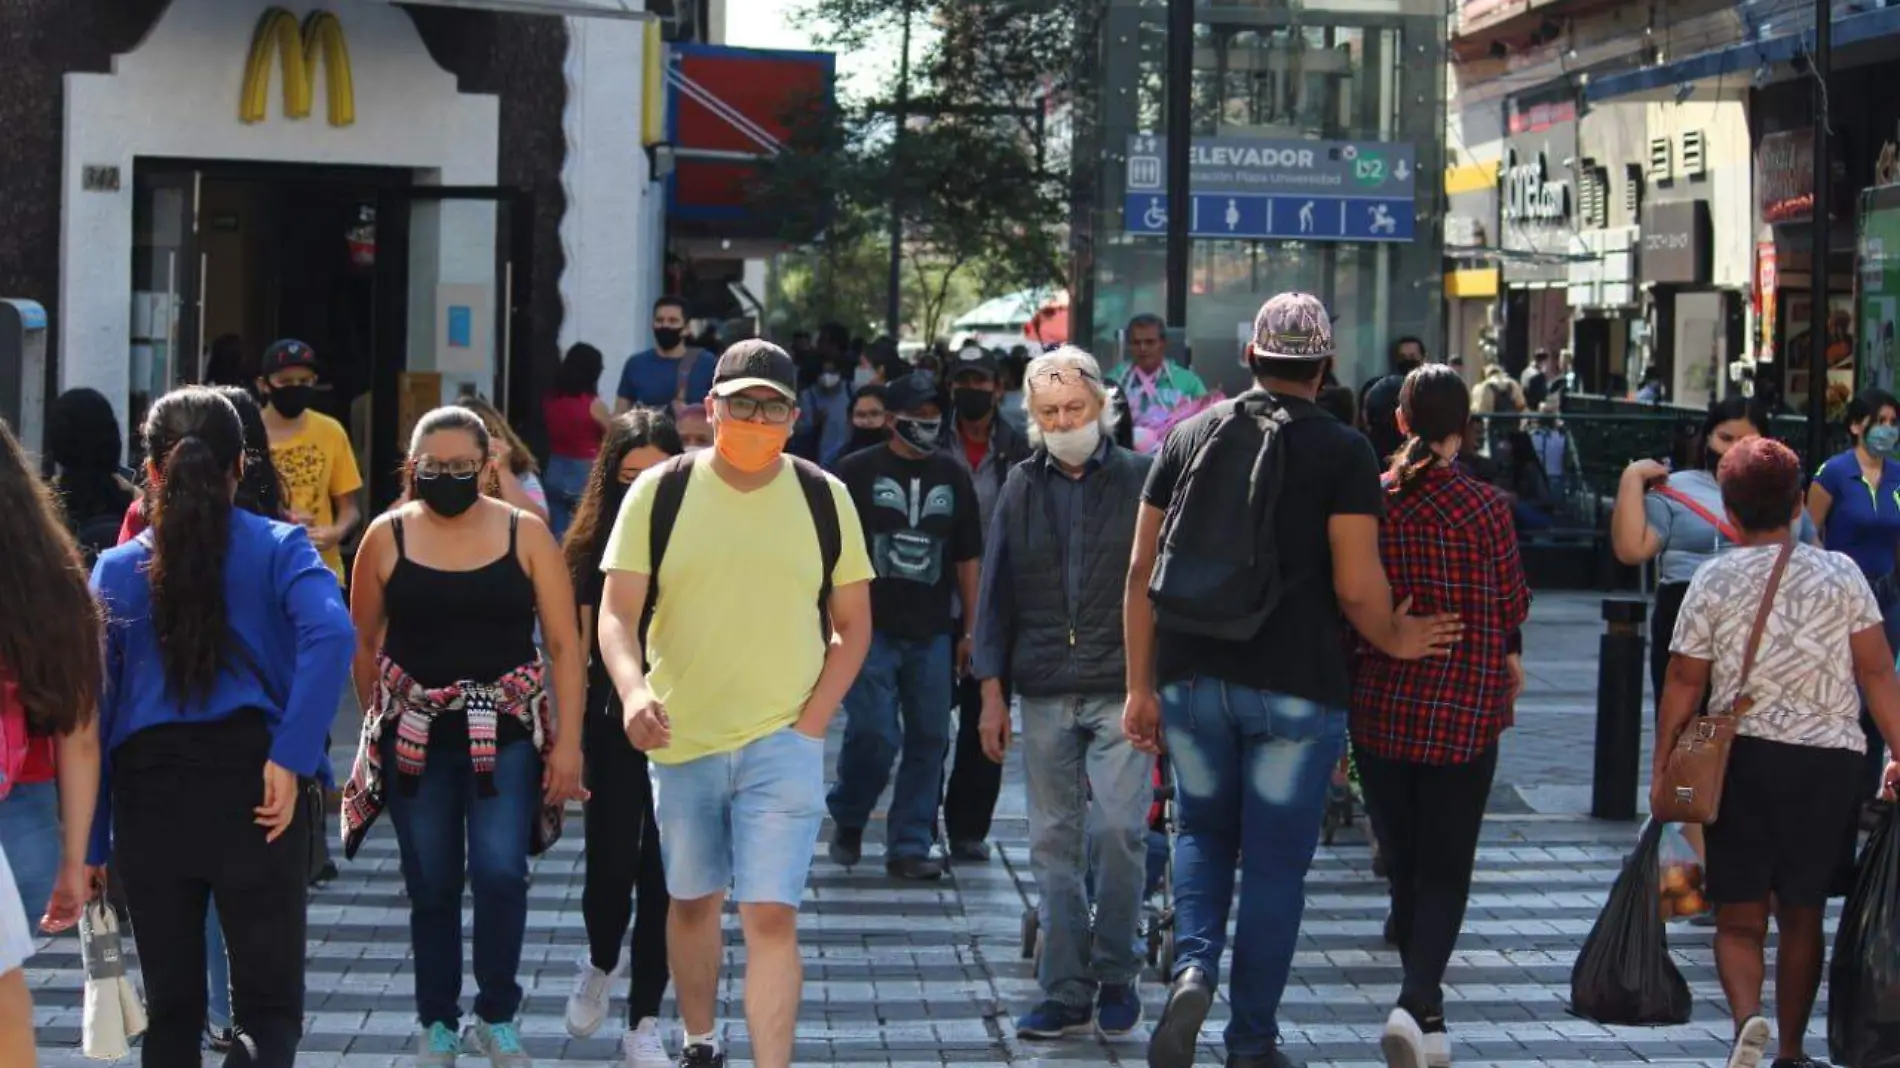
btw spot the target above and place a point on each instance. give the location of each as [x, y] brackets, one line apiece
[828, 379]
[861, 377]
[1073, 447]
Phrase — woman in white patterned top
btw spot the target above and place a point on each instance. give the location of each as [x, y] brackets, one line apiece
[1784, 838]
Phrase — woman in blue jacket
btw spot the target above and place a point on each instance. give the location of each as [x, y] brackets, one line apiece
[211, 729]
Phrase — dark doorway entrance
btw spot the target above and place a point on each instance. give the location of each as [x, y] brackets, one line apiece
[379, 276]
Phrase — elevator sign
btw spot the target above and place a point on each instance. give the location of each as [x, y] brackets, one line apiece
[1251, 188]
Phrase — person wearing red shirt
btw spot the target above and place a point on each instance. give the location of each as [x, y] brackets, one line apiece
[1425, 732]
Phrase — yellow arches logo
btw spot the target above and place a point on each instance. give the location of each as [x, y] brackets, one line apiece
[317, 41]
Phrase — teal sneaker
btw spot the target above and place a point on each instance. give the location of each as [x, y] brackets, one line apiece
[500, 1043]
[437, 1047]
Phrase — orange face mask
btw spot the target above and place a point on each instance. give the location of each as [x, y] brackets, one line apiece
[750, 447]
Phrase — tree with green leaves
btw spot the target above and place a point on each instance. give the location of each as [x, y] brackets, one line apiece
[983, 174]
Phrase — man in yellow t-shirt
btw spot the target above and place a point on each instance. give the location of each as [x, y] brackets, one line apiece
[741, 688]
[311, 450]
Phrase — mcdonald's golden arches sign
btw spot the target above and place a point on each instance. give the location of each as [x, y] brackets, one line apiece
[303, 47]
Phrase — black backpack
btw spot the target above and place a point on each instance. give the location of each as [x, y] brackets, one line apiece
[671, 492]
[1217, 574]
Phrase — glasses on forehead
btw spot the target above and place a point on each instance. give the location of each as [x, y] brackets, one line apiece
[774, 410]
[1059, 375]
[461, 470]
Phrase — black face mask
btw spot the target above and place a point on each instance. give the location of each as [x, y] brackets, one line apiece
[863, 437]
[1711, 459]
[292, 401]
[611, 500]
[448, 496]
[667, 337]
[919, 434]
[973, 404]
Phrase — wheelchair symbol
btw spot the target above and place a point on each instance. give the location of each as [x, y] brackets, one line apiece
[1156, 217]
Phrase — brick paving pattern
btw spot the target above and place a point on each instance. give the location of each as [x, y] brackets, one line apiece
[908, 975]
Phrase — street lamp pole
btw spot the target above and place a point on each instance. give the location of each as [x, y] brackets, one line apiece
[1180, 121]
[893, 298]
[1819, 62]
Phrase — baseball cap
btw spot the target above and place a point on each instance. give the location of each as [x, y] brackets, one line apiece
[911, 392]
[1292, 326]
[286, 354]
[754, 362]
[972, 359]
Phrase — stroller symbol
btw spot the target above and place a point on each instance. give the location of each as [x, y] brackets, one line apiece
[1383, 222]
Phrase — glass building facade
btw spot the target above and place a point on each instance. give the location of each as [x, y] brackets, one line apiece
[1361, 78]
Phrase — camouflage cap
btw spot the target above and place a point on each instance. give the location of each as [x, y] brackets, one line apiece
[1292, 326]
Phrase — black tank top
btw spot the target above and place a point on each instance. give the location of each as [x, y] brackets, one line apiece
[459, 626]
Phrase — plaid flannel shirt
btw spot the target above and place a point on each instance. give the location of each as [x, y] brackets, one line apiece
[1449, 544]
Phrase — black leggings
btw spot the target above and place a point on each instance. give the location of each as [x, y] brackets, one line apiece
[183, 799]
[623, 858]
[975, 781]
[1429, 820]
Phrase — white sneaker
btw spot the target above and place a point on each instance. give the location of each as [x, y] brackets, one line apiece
[587, 1005]
[1437, 1049]
[643, 1046]
[1402, 1042]
[1751, 1044]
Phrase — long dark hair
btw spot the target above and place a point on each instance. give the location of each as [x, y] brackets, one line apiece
[260, 488]
[1436, 406]
[1725, 410]
[51, 649]
[196, 439]
[82, 437]
[579, 375]
[594, 515]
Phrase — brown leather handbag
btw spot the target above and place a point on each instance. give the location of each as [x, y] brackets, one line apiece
[1698, 764]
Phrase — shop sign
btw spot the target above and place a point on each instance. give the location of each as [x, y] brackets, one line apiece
[1767, 281]
[1530, 195]
[1784, 175]
[1677, 242]
[301, 47]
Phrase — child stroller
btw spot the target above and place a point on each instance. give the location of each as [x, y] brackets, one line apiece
[1157, 927]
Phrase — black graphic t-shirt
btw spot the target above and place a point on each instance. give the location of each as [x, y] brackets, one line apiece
[920, 521]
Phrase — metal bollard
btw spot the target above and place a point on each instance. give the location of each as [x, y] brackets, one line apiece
[1619, 743]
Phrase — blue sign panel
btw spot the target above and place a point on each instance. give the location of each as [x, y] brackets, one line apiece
[1296, 217]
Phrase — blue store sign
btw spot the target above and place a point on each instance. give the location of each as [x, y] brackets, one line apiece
[1247, 188]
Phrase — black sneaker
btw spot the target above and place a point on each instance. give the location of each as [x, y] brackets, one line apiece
[1276, 1059]
[1178, 1031]
[969, 850]
[914, 869]
[702, 1057]
[1799, 1062]
[325, 875]
[847, 846]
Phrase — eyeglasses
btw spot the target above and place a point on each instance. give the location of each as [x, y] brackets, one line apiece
[1056, 376]
[747, 408]
[460, 470]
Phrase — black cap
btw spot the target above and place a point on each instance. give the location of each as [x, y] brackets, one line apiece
[971, 359]
[911, 392]
[286, 354]
[755, 362]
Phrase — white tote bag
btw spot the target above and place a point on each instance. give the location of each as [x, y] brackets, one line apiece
[114, 1012]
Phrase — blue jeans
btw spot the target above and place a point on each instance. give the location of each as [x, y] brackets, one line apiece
[900, 703]
[29, 832]
[746, 819]
[1251, 770]
[565, 479]
[443, 829]
[1073, 746]
[217, 972]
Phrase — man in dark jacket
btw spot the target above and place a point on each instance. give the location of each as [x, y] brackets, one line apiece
[986, 446]
[1049, 617]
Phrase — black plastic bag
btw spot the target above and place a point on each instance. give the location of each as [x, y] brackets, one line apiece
[1863, 983]
[1623, 973]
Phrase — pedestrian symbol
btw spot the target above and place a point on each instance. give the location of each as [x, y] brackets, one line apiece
[1306, 217]
[1233, 214]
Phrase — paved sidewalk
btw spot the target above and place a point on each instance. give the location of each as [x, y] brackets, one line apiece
[908, 975]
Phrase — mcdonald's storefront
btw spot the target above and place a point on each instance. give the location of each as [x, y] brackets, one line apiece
[437, 196]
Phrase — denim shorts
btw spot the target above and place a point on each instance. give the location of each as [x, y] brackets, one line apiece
[747, 819]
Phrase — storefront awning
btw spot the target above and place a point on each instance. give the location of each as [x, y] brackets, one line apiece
[613, 9]
[1849, 29]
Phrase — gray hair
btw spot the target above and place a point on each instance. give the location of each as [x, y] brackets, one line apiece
[1067, 358]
